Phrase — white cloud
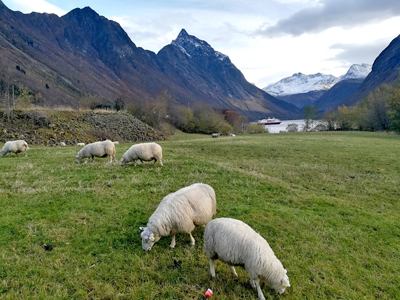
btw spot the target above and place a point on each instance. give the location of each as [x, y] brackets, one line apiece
[326, 14]
[28, 6]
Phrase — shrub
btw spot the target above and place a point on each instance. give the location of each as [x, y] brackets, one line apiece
[292, 127]
[256, 128]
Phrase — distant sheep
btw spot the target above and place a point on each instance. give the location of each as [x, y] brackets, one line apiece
[182, 211]
[232, 134]
[215, 135]
[97, 149]
[236, 243]
[143, 152]
[62, 144]
[116, 143]
[15, 147]
[80, 144]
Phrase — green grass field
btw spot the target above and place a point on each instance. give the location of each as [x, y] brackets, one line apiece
[327, 203]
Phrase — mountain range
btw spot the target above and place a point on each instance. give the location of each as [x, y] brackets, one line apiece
[83, 56]
[302, 90]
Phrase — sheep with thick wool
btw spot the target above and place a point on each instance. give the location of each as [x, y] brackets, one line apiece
[97, 149]
[236, 243]
[15, 147]
[143, 152]
[180, 212]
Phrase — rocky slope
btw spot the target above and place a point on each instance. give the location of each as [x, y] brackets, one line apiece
[49, 128]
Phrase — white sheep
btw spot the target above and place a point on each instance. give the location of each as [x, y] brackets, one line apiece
[62, 144]
[180, 212]
[236, 243]
[143, 152]
[15, 147]
[98, 149]
[215, 135]
[116, 143]
[80, 144]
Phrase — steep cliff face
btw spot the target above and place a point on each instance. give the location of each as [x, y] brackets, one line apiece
[385, 69]
[81, 54]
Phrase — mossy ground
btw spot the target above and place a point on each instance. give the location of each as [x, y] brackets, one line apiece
[327, 203]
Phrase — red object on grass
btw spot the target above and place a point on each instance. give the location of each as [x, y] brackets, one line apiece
[208, 294]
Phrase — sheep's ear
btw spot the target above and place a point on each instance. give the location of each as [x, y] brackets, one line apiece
[142, 228]
[152, 237]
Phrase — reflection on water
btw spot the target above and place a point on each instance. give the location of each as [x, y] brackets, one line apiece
[283, 125]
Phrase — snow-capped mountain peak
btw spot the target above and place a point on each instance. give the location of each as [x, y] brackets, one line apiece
[299, 83]
[189, 43]
[357, 72]
[192, 46]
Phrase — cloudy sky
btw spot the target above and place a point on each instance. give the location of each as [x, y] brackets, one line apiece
[266, 39]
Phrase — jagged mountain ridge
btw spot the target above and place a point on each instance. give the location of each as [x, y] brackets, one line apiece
[81, 53]
[300, 83]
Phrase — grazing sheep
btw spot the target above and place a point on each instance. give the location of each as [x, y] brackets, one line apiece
[116, 143]
[15, 147]
[62, 144]
[182, 211]
[98, 149]
[232, 134]
[143, 152]
[80, 145]
[236, 243]
[215, 135]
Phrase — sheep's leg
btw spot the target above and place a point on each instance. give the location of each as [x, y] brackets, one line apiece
[155, 160]
[232, 268]
[256, 282]
[212, 269]
[192, 241]
[161, 163]
[26, 155]
[173, 241]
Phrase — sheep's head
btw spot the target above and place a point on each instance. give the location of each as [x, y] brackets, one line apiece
[148, 238]
[78, 159]
[284, 283]
[123, 162]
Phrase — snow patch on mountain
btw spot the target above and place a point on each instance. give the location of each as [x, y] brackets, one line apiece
[194, 47]
[357, 72]
[190, 44]
[300, 83]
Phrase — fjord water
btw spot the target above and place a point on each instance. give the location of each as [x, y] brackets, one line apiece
[282, 127]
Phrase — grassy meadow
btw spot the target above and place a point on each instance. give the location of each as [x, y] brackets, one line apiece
[327, 203]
